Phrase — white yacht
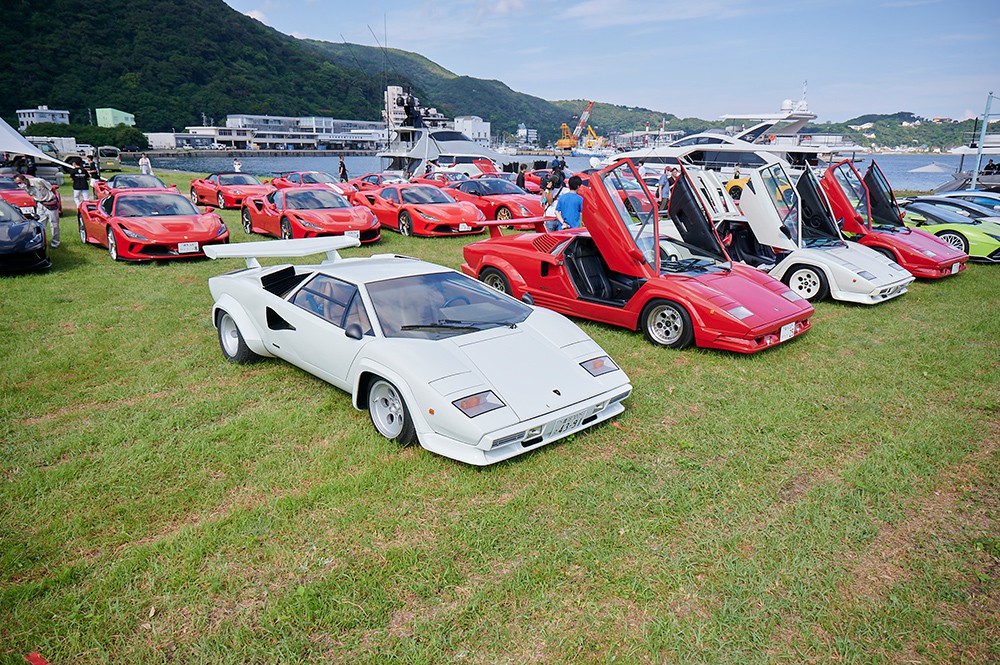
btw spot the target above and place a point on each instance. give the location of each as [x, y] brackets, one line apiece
[419, 135]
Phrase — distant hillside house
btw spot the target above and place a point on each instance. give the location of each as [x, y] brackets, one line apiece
[27, 117]
[474, 127]
[109, 117]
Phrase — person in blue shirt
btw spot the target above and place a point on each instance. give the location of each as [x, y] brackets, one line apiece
[569, 207]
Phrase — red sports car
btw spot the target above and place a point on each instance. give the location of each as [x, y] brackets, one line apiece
[375, 180]
[421, 210]
[496, 198]
[124, 181]
[226, 190]
[307, 212]
[17, 197]
[439, 178]
[301, 178]
[871, 217]
[142, 225]
[669, 277]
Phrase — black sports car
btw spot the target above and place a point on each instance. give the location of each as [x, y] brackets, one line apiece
[23, 242]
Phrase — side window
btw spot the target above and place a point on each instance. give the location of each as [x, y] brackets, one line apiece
[372, 179]
[391, 195]
[106, 205]
[214, 180]
[333, 300]
[294, 178]
[279, 199]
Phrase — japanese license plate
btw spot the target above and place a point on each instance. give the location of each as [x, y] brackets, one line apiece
[955, 267]
[352, 234]
[787, 332]
[464, 227]
[565, 424]
[187, 247]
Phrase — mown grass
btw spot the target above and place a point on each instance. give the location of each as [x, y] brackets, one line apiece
[833, 499]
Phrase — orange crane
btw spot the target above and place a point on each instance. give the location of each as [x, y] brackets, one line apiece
[569, 141]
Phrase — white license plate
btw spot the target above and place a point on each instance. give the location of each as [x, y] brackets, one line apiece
[787, 331]
[955, 267]
[187, 247]
[464, 227]
[352, 234]
[566, 424]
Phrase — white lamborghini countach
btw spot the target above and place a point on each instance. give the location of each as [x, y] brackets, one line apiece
[436, 357]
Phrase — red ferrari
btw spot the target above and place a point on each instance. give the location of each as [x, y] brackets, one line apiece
[307, 212]
[871, 217]
[439, 178]
[124, 181]
[226, 190]
[17, 197]
[421, 210]
[669, 277]
[375, 180]
[302, 178]
[496, 198]
[144, 225]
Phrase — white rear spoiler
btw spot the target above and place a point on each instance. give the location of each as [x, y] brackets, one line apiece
[251, 251]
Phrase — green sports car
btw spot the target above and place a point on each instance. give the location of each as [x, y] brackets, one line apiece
[980, 239]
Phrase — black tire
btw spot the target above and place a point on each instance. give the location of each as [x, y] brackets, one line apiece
[496, 279]
[807, 281]
[956, 240]
[736, 191]
[234, 348]
[405, 224]
[247, 222]
[286, 229]
[631, 205]
[504, 213]
[221, 201]
[389, 414]
[665, 323]
[112, 244]
[194, 197]
[887, 253]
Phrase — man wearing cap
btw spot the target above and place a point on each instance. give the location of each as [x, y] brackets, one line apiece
[46, 205]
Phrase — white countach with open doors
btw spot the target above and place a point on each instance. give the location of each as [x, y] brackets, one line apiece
[436, 357]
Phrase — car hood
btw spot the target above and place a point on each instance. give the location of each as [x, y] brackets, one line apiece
[923, 242]
[349, 218]
[749, 288]
[247, 189]
[17, 197]
[13, 235]
[460, 211]
[856, 258]
[158, 226]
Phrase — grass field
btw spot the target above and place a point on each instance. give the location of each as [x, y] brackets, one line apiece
[831, 500]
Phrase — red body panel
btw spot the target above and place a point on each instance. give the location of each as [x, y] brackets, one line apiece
[161, 234]
[302, 179]
[519, 205]
[438, 219]
[922, 253]
[373, 181]
[538, 264]
[439, 179]
[264, 215]
[208, 190]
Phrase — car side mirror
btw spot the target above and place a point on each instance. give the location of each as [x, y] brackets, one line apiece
[527, 299]
[353, 330]
[785, 232]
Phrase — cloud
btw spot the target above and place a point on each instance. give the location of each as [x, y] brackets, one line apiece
[259, 15]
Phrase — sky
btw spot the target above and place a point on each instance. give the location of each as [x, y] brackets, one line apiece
[700, 58]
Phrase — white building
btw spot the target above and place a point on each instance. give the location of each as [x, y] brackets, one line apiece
[27, 117]
[474, 127]
[526, 136]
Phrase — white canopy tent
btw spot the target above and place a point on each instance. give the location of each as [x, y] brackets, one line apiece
[12, 142]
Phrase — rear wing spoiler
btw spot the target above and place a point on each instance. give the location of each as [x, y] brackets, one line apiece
[495, 226]
[251, 251]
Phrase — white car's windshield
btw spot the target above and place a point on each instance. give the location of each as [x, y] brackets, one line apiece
[441, 305]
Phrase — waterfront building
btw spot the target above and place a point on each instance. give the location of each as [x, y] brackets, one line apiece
[108, 117]
[27, 117]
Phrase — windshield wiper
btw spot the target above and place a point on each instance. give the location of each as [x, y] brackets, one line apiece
[685, 265]
[444, 324]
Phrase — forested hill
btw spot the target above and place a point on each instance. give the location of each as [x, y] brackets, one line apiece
[167, 62]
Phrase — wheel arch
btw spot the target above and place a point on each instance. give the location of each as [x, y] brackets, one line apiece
[643, 298]
[518, 285]
[251, 336]
[370, 370]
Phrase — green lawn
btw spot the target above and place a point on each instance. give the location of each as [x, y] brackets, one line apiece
[830, 500]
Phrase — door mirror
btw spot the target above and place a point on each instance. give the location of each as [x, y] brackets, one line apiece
[353, 330]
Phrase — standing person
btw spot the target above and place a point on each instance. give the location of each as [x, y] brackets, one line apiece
[46, 205]
[521, 173]
[555, 187]
[145, 166]
[569, 207]
[343, 170]
[642, 169]
[81, 184]
[237, 166]
[663, 189]
[92, 169]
